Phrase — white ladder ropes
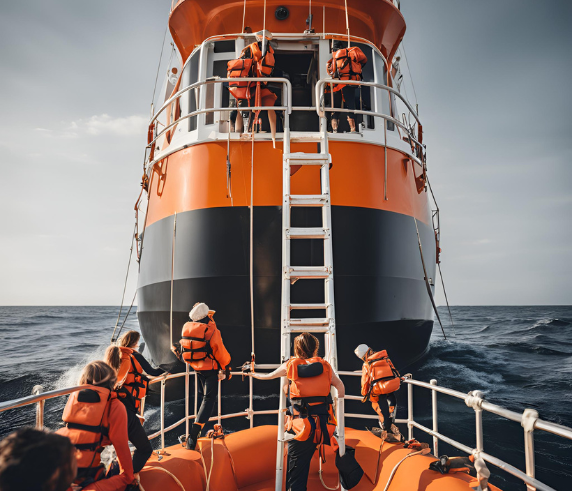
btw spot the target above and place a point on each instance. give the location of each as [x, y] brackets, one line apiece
[291, 274]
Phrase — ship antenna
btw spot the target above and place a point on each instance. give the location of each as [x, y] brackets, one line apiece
[347, 22]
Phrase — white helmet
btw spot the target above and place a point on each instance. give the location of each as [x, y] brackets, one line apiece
[361, 351]
[199, 311]
[260, 35]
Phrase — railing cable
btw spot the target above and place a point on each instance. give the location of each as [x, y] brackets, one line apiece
[158, 68]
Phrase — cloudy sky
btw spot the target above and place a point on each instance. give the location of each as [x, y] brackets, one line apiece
[492, 78]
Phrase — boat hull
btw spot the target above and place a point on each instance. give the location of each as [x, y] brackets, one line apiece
[380, 293]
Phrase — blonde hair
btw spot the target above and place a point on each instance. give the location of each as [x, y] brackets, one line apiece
[129, 339]
[306, 345]
[98, 373]
[113, 357]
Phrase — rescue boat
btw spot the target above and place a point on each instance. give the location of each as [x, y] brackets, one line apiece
[214, 229]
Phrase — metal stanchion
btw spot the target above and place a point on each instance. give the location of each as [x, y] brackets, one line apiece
[37, 390]
[163, 414]
[435, 424]
[410, 411]
[187, 400]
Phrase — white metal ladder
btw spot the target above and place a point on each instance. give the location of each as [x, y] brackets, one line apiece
[290, 274]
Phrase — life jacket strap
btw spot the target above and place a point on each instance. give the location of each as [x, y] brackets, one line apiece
[93, 447]
[103, 430]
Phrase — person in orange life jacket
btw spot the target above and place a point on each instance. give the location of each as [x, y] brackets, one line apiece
[259, 64]
[379, 383]
[95, 418]
[202, 348]
[310, 379]
[33, 459]
[134, 366]
[135, 432]
[346, 64]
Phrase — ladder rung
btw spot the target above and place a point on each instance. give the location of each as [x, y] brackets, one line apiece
[307, 233]
[321, 321]
[292, 328]
[301, 158]
[309, 200]
[307, 272]
[308, 306]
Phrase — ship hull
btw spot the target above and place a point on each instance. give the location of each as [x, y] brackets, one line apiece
[380, 293]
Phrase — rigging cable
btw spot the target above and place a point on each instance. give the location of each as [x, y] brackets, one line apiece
[243, 15]
[409, 70]
[427, 279]
[439, 265]
[113, 338]
[172, 277]
[158, 67]
[347, 22]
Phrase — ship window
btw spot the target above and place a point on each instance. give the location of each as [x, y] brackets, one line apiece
[193, 67]
[224, 46]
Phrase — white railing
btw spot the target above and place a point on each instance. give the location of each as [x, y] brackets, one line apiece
[528, 419]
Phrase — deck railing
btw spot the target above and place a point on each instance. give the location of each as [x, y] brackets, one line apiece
[529, 419]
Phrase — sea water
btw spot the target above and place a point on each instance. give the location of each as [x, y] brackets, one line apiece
[520, 357]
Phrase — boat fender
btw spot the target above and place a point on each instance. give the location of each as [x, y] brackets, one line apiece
[349, 468]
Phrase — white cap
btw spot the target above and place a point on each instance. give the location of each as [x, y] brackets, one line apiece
[263, 34]
[361, 351]
[199, 311]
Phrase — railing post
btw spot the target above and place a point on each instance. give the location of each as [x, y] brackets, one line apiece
[435, 424]
[163, 414]
[219, 402]
[251, 400]
[529, 418]
[410, 410]
[474, 399]
[187, 394]
[39, 407]
[196, 394]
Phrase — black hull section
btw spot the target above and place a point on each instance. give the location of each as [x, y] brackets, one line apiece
[380, 294]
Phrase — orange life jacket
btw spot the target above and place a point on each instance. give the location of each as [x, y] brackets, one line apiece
[135, 382]
[379, 376]
[347, 64]
[251, 63]
[311, 411]
[86, 415]
[197, 346]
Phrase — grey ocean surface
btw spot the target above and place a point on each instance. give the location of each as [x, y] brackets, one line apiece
[521, 357]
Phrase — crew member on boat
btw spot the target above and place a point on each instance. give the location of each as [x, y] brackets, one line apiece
[202, 348]
[346, 64]
[117, 360]
[255, 60]
[379, 382]
[310, 419]
[95, 418]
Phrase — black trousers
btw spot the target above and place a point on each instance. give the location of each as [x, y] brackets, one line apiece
[349, 93]
[138, 438]
[384, 402]
[299, 458]
[207, 392]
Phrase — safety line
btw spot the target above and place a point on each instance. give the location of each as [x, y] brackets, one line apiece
[446, 299]
[427, 279]
[172, 276]
[125, 285]
[243, 15]
[409, 70]
[158, 67]
[252, 244]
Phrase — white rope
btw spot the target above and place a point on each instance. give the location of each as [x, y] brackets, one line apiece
[322, 480]
[423, 451]
[208, 477]
[148, 467]
[172, 277]
[243, 15]
[347, 22]
[252, 243]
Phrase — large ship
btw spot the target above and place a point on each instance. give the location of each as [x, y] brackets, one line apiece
[214, 229]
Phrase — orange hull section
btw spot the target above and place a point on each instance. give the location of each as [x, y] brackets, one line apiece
[195, 178]
[248, 462]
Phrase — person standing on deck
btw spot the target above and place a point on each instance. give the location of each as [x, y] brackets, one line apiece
[202, 348]
[310, 379]
[379, 382]
[345, 64]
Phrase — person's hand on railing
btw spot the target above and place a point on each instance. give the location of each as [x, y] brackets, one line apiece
[176, 350]
[406, 376]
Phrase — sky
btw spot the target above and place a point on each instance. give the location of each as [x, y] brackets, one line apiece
[492, 79]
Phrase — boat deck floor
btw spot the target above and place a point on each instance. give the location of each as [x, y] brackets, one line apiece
[246, 461]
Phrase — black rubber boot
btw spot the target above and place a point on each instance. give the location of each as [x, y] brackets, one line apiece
[193, 436]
